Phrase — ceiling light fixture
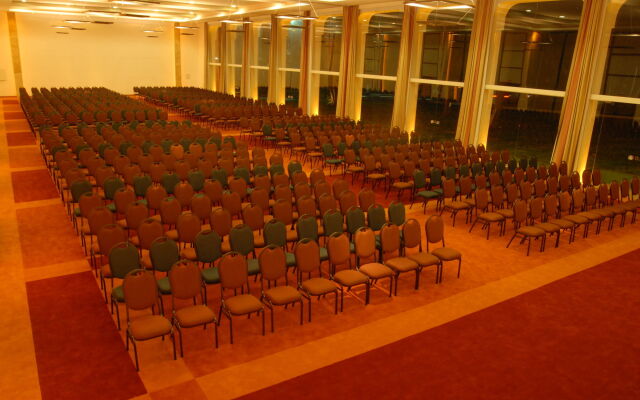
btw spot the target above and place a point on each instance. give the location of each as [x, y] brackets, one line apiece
[186, 27]
[234, 21]
[151, 31]
[60, 27]
[76, 21]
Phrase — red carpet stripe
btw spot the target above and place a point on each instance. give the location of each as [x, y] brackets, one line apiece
[576, 338]
[20, 138]
[32, 185]
[78, 350]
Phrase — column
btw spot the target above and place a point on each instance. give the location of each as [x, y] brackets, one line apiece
[348, 95]
[274, 62]
[247, 50]
[305, 66]
[402, 105]
[472, 127]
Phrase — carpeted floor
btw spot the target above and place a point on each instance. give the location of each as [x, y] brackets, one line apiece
[551, 343]
[79, 351]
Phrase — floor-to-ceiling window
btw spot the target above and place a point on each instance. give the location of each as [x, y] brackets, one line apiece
[615, 143]
[531, 69]
[379, 66]
[259, 68]
[235, 46]
[290, 64]
[327, 44]
[445, 35]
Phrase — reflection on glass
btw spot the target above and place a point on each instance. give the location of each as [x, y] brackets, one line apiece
[235, 43]
[262, 34]
[537, 44]
[382, 44]
[329, 37]
[328, 95]
[377, 101]
[235, 79]
[445, 44]
[291, 88]
[293, 31]
[525, 124]
[615, 143]
[263, 84]
[623, 59]
[437, 111]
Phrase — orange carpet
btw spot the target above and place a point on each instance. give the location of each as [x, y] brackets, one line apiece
[79, 351]
[32, 186]
[47, 236]
[552, 343]
[20, 139]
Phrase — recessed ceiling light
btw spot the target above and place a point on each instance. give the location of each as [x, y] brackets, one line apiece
[60, 27]
[562, 16]
[186, 27]
[151, 31]
[528, 10]
[76, 21]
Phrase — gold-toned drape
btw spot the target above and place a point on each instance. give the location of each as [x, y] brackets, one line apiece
[346, 81]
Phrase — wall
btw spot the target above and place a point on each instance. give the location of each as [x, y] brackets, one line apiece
[7, 83]
[117, 56]
[192, 50]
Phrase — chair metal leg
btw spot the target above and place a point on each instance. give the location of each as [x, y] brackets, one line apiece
[301, 311]
[459, 266]
[135, 353]
[262, 312]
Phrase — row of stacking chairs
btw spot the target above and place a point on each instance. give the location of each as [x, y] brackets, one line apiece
[88, 105]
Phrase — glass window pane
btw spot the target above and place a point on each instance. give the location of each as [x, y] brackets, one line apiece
[328, 95]
[377, 101]
[382, 44]
[537, 44]
[445, 44]
[291, 88]
[623, 59]
[328, 37]
[235, 44]
[437, 111]
[234, 79]
[615, 144]
[262, 35]
[524, 124]
[293, 33]
[263, 84]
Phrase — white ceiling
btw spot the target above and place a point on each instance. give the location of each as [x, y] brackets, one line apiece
[168, 10]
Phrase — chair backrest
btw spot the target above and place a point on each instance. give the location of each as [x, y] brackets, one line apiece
[339, 249]
[333, 222]
[272, 262]
[123, 258]
[389, 239]
[221, 221]
[275, 233]
[307, 227]
[185, 280]
[339, 186]
[109, 236]
[434, 229]
[140, 290]
[519, 211]
[188, 226]
[411, 234]
[551, 205]
[98, 217]
[376, 217]
[241, 239]
[149, 230]
[164, 252]
[482, 199]
[365, 243]
[307, 255]
[253, 216]
[536, 207]
[233, 271]
[396, 213]
[355, 219]
[208, 245]
[366, 197]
